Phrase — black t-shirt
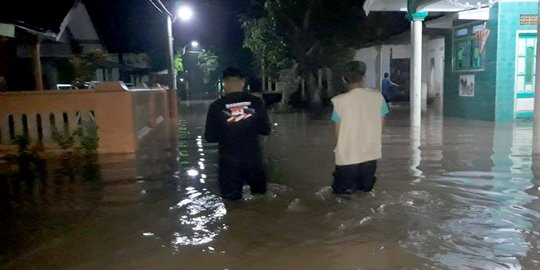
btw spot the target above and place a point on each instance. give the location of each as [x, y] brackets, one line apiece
[235, 121]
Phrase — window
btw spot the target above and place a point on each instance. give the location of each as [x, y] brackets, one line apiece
[467, 55]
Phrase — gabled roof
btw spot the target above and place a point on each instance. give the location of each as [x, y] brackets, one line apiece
[37, 15]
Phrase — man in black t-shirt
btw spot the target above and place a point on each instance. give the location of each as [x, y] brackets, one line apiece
[235, 121]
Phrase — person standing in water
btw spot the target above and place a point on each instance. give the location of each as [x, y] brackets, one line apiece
[236, 121]
[359, 117]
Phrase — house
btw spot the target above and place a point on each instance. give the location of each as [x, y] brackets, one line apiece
[73, 36]
[393, 56]
[489, 54]
[35, 54]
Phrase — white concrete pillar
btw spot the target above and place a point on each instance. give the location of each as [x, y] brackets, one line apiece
[18, 124]
[424, 96]
[46, 128]
[31, 123]
[416, 71]
[536, 128]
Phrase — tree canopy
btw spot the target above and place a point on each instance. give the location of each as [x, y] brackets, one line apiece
[314, 33]
[208, 63]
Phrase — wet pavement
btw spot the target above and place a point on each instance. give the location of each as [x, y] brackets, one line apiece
[456, 194]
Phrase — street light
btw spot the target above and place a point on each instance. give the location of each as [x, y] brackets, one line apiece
[194, 45]
[185, 13]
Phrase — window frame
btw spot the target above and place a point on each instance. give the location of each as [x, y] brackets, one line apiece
[469, 37]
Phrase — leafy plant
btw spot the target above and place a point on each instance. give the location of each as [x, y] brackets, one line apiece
[27, 164]
[84, 65]
[80, 150]
[208, 63]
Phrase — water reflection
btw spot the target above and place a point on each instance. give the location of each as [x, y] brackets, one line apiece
[455, 194]
[200, 218]
[488, 218]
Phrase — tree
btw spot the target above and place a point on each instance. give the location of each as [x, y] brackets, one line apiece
[271, 56]
[267, 46]
[208, 62]
[178, 63]
[85, 65]
[319, 34]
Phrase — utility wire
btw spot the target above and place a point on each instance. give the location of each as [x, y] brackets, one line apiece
[164, 8]
[154, 4]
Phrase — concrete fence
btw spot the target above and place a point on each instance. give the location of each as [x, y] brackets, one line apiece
[123, 117]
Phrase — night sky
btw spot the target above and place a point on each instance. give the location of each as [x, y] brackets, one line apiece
[136, 26]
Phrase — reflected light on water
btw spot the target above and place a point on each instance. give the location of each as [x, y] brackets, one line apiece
[193, 172]
[201, 219]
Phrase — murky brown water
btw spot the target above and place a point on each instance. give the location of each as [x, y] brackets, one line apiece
[464, 196]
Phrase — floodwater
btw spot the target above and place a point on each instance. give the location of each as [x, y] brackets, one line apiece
[456, 194]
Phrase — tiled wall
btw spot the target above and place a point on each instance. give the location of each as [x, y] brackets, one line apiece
[508, 17]
[494, 97]
[481, 106]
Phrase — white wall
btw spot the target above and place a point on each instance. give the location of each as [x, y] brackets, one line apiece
[80, 25]
[397, 52]
[370, 57]
[378, 58]
[435, 78]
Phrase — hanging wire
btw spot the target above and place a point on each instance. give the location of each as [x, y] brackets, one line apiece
[154, 4]
[164, 8]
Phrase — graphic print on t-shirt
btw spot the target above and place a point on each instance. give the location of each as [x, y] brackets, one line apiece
[239, 111]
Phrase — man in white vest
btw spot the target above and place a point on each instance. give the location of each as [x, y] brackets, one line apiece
[359, 118]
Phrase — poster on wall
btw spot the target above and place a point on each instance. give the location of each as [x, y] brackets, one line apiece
[466, 85]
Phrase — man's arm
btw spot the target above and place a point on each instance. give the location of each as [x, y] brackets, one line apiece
[337, 121]
[384, 112]
[212, 131]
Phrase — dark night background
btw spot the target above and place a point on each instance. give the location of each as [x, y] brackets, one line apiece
[137, 26]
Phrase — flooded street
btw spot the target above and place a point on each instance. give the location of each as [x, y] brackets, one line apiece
[456, 194]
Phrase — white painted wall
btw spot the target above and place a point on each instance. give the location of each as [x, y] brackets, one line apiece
[369, 56]
[435, 75]
[378, 57]
[397, 51]
[80, 25]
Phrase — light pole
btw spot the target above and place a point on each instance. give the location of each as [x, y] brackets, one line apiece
[185, 14]
[194, 44]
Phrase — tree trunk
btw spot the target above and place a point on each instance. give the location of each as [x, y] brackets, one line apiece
[314, 90]
[36, 63]
[263, 77]
[289, 81]
[330, 82]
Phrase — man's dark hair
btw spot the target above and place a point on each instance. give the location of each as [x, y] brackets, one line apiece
[386, 75]
[232, 72]
[354, 71]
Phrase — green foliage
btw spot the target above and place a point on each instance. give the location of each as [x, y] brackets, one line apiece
[89, 138]
[315, 33]
[84, 65]
[22, 141]
[267, 46]
[178, 63]
[83, 138]
[27, 164]
[208, 63]
[79, 151]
